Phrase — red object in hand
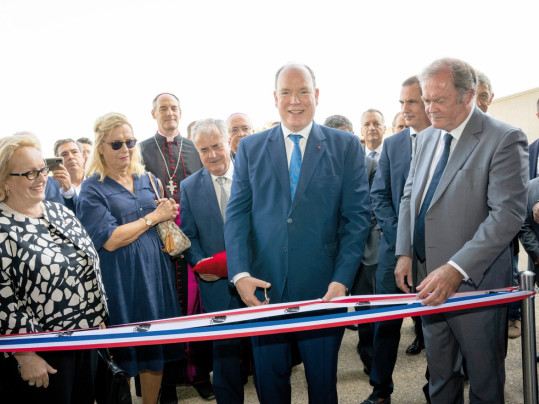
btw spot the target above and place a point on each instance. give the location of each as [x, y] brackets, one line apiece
[215, 265]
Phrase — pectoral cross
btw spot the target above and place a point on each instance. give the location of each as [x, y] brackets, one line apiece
[170, 187]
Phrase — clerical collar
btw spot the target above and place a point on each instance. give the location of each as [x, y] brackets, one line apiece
[169, 139]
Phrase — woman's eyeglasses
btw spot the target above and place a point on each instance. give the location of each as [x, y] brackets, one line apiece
[130, 143]
[32, 175]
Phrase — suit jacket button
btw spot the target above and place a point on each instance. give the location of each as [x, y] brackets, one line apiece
[285, 249]
[289, 220]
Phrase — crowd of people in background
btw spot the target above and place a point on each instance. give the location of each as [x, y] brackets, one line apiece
[303, 211]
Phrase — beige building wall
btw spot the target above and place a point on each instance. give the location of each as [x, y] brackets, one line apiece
[519, 110]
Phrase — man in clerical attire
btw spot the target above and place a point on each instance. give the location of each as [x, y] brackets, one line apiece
[171, 158]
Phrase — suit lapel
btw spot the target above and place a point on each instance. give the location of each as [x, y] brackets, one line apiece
[465, 146]
[425, 155]
[208, 190]
[314, 150]
[277, 152]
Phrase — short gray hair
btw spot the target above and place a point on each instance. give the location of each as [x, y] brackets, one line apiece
[463, 75]
[482, 79]
[410, 81]
[338, 121]
[206, 125]
[373, 111]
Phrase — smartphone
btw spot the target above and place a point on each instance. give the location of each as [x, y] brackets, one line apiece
[54, 163]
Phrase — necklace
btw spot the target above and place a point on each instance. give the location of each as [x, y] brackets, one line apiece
[170, 185]
[5, 207]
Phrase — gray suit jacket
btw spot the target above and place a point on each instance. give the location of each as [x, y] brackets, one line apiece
[479, 205]
[529, 234]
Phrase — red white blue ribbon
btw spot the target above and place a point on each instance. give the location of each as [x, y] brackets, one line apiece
[260, 320]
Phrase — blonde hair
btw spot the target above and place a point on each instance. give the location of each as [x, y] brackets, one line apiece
[103, 126]
[8, 146]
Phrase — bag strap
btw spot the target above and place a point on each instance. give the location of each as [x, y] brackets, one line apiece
[154, 188]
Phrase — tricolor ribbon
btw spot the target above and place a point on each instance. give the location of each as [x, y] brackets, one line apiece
[259, 320]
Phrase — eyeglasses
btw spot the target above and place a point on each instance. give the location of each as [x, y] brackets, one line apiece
[118, 144]
[32, 175]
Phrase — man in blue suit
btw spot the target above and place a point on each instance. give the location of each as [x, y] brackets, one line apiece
[299, 231]
[203, 200]
[386, 194]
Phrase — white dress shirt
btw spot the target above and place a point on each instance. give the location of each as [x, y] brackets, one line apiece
[378, 151]
[228, 183]
[456, 133]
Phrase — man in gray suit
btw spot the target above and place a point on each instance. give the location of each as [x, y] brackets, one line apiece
[463, 202]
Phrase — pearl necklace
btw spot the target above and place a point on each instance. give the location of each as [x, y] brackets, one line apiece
[170, 185]
[5, 207]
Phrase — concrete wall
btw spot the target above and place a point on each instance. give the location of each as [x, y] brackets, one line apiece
[519, 110]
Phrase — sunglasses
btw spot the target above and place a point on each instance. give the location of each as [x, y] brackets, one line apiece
[118, 144]
[32, 175]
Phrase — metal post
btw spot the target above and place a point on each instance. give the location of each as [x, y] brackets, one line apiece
[529, 361]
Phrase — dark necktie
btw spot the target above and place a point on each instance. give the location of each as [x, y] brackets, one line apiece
[419, 233]
[224, 196]
[295, 164]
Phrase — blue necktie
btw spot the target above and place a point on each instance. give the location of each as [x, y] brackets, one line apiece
[419, 233]
[295, 164]
[372, 154]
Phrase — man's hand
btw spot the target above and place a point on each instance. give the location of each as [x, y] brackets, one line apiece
[441, 284]
[403, 273]
[246, 288]
[535, 211]
[62, 176]
[335, 289]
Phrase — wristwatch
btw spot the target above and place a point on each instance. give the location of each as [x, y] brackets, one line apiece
[147, 221]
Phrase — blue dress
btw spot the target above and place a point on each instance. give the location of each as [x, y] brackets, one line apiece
[139, 278]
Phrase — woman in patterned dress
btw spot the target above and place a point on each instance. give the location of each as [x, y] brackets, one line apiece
[49, 281]
[118, 208]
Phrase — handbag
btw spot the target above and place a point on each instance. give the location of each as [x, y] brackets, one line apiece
[174, 240]
[111, 382]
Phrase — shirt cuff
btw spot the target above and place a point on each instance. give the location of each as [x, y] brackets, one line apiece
[458, 268]
[70, 193]
[237, 277]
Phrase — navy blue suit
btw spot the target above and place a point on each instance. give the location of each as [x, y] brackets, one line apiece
[202, 223]
[300, 246]
[533, 149]
[386, 193]
[53, 194]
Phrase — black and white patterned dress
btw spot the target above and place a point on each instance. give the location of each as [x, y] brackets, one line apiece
[50, 277]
